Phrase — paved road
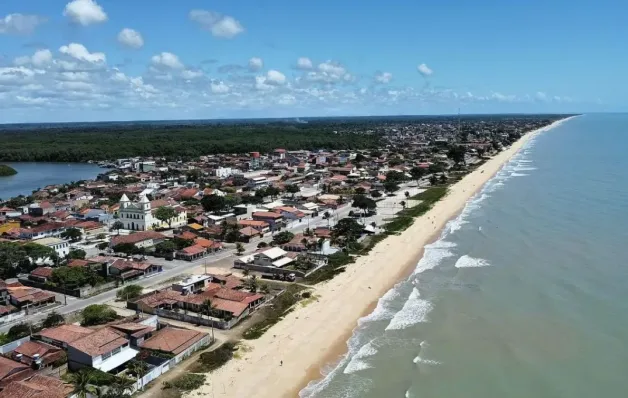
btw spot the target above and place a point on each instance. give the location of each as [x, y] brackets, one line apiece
[386, 208]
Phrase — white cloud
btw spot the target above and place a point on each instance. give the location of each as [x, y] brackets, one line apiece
[79, 52]
[304, 63]
[85, 12]
[168, 60]
[20, 24]
[40, 58]
[189, 74]
[275, 77]
[329, 72]
[219, 88]
[540, 96]
[219, 25]
[332, 69]
[74, 76]
[424, 70]
[503, 98]
[255, 64]
[130, 38]
[383, 77]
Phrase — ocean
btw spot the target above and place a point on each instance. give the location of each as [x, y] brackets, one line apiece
[525, 294]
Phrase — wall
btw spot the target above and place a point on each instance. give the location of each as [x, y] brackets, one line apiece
[80, 292]
[12, 317]
[13, 345]
[268, 270]
[181, 316]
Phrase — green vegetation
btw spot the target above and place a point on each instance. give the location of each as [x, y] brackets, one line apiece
[73, 234]
[74, 277]
[212, 360]
[77, 144]
[405, 218]
[77, 254]
[129, 292]
[336, 265]
[6, 171]
[165, 214]
[282, 305]
[16, 258]
[97, 314]
[283, 237]
[53, 319]
[186, 382]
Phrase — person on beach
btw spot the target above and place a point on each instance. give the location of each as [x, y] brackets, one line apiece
[281, 363]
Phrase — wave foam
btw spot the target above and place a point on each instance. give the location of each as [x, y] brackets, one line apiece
[414, 311]
[433, 255]
[519, 175]
[471, 262]
[383, 309]
[357, 362]
[420, 360]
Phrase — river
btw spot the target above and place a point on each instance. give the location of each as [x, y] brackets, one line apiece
[33, 175]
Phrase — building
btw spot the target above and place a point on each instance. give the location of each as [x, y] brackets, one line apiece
[271, 261]
[140, 239]
[274, 220]
[193, 284]
[125, 269]
[51, 229]
[29, 297]
[61, 247]
[105, 349]
[138, 216]
[37, 386]
[63, 335]
[174, 341]
[37, 354]
[192, 253]
[40, 274]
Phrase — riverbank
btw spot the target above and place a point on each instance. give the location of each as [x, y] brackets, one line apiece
[6, 171]
[291, 354]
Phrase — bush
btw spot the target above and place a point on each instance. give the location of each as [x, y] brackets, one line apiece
[186, 382]
[18, 331]
[282, 305]
[129, 292]
[97, 314]
[53, 319]
[212, 360]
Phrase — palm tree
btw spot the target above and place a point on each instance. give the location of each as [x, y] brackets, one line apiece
[80, 380]
[122, 384]
[207, 309]
[403, 204]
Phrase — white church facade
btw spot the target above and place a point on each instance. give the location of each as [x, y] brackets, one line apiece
[138, 216]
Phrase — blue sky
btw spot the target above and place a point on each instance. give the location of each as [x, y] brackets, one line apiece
[86, 60]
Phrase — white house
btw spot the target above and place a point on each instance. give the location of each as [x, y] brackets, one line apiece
[105, 349]
[138, 216]
[59, 245]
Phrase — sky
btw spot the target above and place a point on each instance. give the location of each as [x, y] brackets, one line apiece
[107, 60]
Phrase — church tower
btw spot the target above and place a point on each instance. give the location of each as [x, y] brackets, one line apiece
[124, 201]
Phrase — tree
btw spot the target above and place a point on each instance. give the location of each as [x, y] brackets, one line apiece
[348, 228]
[129, 292]
[213, 203]
[251, 283]
[376, 194]
[262, 245]
[53, 319]
[273, 192]
[395, 176]
[126, 248]
[433, 179]
[407, 194]
[443, 179]
[390, 186]
[81, 381]
[283, 237]
[103, 246]
[77, 254]
[360, 191]
[18, 331]
[165, 247]
[137, 367]
[403, 204]
[73, 234]
[165, 214]
[101, 236]
[239, 248]
[456, 153]
[417, 173]
[73, 277]
[292, 189]
[97, 314]
[364, 203]
[117, 226]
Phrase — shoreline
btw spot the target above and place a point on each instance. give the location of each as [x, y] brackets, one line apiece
[315, 336]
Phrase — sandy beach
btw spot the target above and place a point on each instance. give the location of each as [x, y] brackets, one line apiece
[315, 335]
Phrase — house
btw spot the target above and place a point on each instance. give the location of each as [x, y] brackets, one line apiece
[173, 341]
[274, 220]
[192, 253]
[137, 332]
[139, 239]
[249, 233]
[105, 349]
[41, 209]
[51, 229]
[37, 354]
[61, 247]
[41, 274]
[37, 386]
[91, 228]
[210, 245]
[125, 269]
[193, 284]
[260, 226]
[290, 213]
[24, 296]
[11, 371]
[269, 260]
[63, 335]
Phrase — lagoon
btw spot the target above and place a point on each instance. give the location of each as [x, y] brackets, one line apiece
[33, 175]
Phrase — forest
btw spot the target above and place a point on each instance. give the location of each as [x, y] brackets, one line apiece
[83, 143]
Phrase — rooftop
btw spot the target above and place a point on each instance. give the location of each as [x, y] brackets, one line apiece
[173, 340]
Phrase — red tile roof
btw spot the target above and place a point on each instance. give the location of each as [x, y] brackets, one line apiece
[9, 367]
[267, 214]
[43, 272]
[37, 386]
[100, 342]
[136, 237]
[173, 340]
[193, 250]
[66, 333]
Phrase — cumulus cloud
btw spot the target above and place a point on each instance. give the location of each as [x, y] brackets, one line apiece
[255, 64]
[275, 77]
[328, 72]
[219, 88]
[383, 77]
[20, 24]
[189, 74]
[85, 12]
[424, 70]
[304, 63]
[130, 38]
[79, 52]
[167, 60]
[540, 96]
[40, 58]
[219, 25]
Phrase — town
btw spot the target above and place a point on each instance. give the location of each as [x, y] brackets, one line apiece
[108, 286]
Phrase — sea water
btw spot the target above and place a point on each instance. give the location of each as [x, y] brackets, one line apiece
[525, 294]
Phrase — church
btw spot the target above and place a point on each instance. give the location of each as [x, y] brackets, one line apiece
[138, 216]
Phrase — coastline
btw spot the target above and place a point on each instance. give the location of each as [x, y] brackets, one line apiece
[314, 336]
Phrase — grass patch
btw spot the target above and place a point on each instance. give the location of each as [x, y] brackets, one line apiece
[405, 218]
[186, 382]
[336, 265]
[212, 360]
[272, 314]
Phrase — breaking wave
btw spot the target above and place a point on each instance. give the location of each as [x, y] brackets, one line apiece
[414, 311]
[471, 262]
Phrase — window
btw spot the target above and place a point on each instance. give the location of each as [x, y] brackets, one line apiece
[105, 356]
[115, 351]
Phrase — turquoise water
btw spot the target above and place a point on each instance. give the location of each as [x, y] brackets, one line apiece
[525, 294]
[34, 175]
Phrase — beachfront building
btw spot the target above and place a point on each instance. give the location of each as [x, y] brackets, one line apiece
[139, 216]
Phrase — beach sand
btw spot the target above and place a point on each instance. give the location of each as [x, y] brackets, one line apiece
[315, 335]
